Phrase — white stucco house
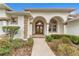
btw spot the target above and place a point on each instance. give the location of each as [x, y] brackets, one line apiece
[39, 21]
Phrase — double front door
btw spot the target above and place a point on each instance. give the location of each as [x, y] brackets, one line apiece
[39, 27]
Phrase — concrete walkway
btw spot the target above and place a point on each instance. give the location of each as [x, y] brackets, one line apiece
[40, 48]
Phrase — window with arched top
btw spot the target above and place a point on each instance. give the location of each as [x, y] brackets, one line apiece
[53, 25]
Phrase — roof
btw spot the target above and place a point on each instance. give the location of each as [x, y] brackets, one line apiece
[18, 13]
[4, 18]
[73, 17]
[4, 6]
[51, 9]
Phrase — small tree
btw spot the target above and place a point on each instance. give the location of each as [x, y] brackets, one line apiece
[11, 30]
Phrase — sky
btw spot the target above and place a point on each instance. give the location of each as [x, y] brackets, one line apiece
[22, 6]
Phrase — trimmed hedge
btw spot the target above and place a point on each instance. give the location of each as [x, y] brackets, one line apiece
[30, 41]
[11, 30]
[73, 38]
[49, 38]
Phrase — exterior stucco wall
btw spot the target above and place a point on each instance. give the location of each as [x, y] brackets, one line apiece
[2, 23]
[60, 27]
[21, 25]
[73, 27]
[49, 15]
[3, 13]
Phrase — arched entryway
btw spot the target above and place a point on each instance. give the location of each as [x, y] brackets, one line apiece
[39, 25]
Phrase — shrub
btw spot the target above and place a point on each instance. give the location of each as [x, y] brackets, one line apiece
[16, 43]
[58, 47]
[63, 46]
[65, 40]
[56, 36]
[73, 38]
[67, 50]
[11, 30]
[49, 38]
[54, 44]
[30, 41]
[5, 47]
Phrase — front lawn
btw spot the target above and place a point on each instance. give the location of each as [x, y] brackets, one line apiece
[63, 45]
[16, 47]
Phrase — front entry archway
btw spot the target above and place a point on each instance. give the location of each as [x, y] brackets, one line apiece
[39, 27]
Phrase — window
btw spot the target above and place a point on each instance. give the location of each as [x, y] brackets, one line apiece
[13, 21]
[1, 23]
[53, 26]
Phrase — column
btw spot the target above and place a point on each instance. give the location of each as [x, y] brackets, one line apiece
[30, 29]
[65, 29]
[47, 29]
[65, 25]
[21, 25]
[30, 19]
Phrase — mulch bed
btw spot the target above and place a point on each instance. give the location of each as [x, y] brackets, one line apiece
[22, 51]
[54, 50]
[53, 47]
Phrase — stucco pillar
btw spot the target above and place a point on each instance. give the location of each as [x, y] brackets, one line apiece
[30, 29]
[65, 23]
[65, 29]
[21, 25]
[47, 28]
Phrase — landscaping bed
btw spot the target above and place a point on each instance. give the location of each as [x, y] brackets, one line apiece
[16, 47]
[63, 45]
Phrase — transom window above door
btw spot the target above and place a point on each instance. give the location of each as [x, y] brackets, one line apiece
[39, 23]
